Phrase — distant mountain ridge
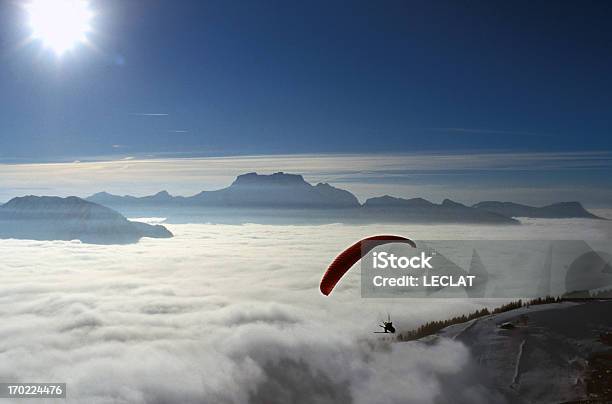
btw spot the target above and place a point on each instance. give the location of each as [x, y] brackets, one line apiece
[388, 209]
[250, 190]
[282, 191]
[561, 210]
[71, 218]
[387, 201]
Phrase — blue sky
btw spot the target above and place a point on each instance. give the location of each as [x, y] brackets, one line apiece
[468, 100]
[269, 77]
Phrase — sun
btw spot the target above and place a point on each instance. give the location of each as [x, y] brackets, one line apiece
[60, 24]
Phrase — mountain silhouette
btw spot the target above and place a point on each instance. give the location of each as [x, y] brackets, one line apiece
[288, 198]
[389, 209]
[555, 211]
[279, 190]
[71, 218]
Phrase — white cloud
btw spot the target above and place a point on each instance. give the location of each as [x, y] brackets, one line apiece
[226, 314]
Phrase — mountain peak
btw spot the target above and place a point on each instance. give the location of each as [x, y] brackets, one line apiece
[279, 178]
[102, 194]
[452, 204]
[161, 195]
[32, 202]
[278, 190]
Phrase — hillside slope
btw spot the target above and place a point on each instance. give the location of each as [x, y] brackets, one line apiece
[549, 354]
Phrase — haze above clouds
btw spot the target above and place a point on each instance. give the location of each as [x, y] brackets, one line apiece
[229, 314]
[535, 178]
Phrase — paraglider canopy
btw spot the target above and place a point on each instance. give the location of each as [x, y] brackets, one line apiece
[351, 255]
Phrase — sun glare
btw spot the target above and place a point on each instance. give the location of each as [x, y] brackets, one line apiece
[60, 24]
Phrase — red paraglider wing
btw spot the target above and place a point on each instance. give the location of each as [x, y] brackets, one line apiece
[351, 255]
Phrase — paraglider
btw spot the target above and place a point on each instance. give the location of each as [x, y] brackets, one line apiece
[387, 326]
[351, 255]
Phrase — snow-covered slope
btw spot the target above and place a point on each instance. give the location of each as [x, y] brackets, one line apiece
[542, 354]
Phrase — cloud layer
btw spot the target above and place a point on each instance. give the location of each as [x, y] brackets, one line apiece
[228, 314]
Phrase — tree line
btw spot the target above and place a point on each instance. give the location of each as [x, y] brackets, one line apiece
[433, 327]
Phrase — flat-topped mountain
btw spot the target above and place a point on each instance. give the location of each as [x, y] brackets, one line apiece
[252, 190]
[278, 190]
[71, 218]
[554, 211]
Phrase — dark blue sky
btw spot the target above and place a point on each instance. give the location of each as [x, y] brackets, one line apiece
[266, 77]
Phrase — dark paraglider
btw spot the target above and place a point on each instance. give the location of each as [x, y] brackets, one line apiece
[387, 326]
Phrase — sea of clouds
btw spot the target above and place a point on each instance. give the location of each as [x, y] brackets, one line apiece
[231, 314]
